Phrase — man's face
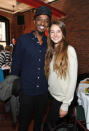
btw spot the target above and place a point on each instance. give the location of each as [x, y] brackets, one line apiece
[42, 22]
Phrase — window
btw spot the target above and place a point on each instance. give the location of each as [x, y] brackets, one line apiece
[2, 34]
[4, 31]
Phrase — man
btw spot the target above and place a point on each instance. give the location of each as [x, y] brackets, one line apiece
[28, 63]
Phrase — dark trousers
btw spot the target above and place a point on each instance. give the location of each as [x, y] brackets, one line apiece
[53, 113]
[32, 105]
[53, 117]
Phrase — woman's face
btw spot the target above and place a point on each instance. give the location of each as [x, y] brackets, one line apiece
[55, 33]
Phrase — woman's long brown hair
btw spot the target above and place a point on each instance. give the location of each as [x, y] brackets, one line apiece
[60, 53]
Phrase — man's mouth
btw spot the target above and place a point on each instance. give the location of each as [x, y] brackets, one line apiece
[41, 27]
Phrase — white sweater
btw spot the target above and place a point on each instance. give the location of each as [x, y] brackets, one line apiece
[63, 89]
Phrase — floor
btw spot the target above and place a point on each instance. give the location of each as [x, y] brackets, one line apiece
[6, 121]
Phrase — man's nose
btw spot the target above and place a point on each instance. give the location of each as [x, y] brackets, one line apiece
[42, 22]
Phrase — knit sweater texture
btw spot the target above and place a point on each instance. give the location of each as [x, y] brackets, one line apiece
[63, 89]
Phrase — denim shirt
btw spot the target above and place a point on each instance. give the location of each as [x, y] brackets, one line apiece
[28, 62]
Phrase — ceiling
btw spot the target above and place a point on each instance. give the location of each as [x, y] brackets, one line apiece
[12, 6]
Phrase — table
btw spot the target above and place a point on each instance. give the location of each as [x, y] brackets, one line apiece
[83, 99]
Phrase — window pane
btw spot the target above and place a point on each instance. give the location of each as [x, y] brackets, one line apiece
[2, 34]
[2, 31]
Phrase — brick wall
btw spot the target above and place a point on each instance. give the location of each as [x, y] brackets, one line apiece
[77, 22]
[15, 29]
[27, 26]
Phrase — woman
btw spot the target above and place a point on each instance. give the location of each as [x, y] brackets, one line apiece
[61, 70]
[5, 57]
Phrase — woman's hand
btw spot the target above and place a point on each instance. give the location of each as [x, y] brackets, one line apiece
[62, 113]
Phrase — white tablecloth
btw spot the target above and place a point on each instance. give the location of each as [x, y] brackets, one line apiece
[83, 100]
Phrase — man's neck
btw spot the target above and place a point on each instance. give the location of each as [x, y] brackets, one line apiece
[39, 37]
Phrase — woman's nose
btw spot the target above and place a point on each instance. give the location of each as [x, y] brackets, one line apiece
[55, 34]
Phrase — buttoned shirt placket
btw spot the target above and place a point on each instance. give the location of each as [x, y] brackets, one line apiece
[39, 66]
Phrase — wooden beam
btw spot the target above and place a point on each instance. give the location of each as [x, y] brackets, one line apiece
[37, 3]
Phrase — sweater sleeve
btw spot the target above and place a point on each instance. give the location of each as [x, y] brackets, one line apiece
[2, 58]
[72, 73]
[17, 58]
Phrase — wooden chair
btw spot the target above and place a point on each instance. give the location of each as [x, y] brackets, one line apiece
[80, 118]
